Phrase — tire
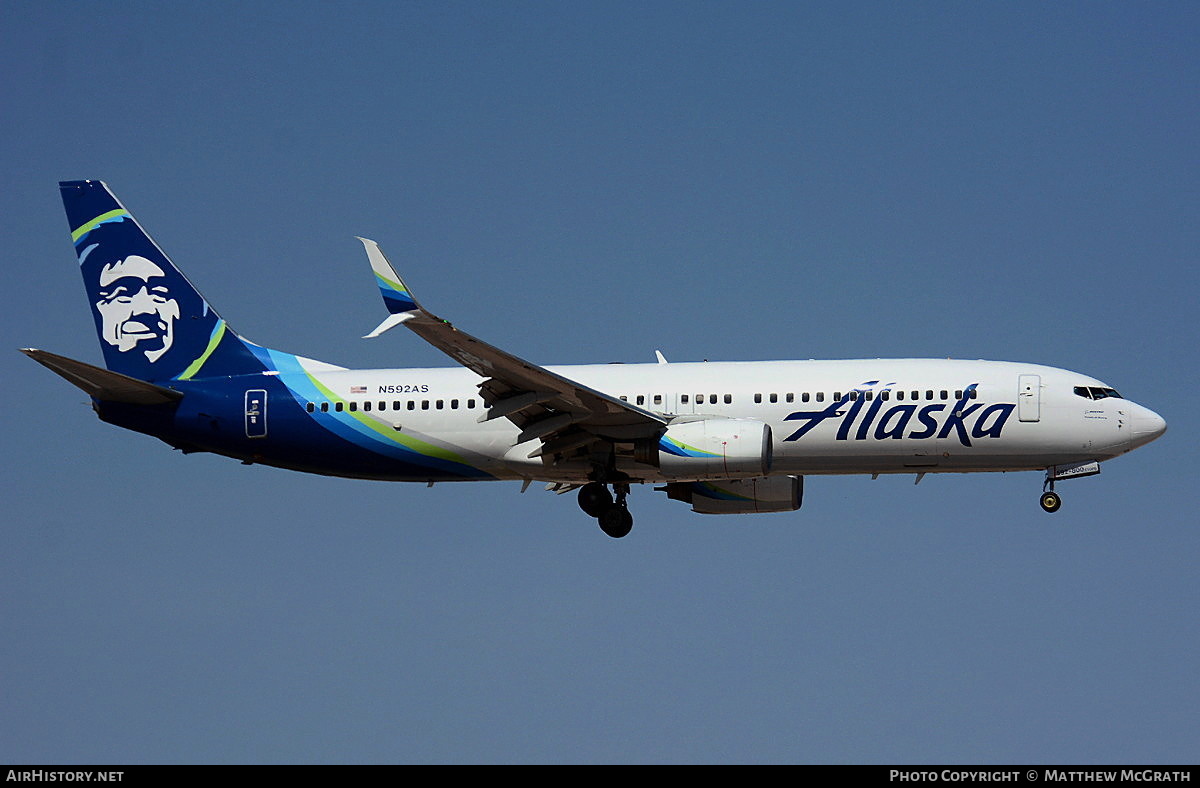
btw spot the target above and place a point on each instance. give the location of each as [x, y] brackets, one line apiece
[594, 498]
[1051, 502]
[616, 521]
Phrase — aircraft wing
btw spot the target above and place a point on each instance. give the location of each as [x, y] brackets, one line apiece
[564, 414]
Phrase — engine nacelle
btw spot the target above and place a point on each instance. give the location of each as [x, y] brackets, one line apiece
[740, 496]
[715, 449]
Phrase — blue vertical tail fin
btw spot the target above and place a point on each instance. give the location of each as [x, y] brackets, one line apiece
[152, 323]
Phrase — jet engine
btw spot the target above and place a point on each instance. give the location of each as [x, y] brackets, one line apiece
[711, 449]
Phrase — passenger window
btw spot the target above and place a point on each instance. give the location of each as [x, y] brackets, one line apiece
[870, 395]
[790, 397]
[311, 407]
[929, 394]
[641, 399]
[366, 405]
[624, 398]
[324, 407]
[412, 404]
[774, 398]
[820, 396]
[396, 405]
[899, 395]
[439, 404]
[683, 398]
[424, 404]
[804, 397]
[453, 404]
[837, 396]
[337, 406]
[944, 394]
[470, 404]
[885, 395]
[353, 406]
[658, 399]
[958, 394]
[758, 398]
[728, 399]
[712, 399]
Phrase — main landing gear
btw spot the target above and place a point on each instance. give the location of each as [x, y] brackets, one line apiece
[1050, 500]
[612, 514]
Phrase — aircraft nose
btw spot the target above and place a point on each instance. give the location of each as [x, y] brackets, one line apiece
[1146, 426]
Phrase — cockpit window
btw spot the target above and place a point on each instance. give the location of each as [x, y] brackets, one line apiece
[1095, 392]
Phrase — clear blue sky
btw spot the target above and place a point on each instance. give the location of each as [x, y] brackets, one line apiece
[581, 182]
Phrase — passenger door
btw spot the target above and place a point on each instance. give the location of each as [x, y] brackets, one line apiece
[1029, 397]
[256, 413]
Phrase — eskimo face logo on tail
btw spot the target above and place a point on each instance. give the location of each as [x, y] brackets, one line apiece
[964, 420]
[136, 308]
[151, 322]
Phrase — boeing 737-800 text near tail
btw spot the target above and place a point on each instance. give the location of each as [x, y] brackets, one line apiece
[727, 438]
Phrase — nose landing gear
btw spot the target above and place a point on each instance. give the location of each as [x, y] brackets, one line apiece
[612, 514]
[1050, 500]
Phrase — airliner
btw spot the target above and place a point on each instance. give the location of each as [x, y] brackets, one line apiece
[724, 437]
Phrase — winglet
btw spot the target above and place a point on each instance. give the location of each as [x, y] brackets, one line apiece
[389, 322]
[396, 297]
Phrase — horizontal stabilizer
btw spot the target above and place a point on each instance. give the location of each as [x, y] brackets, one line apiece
[103, 384]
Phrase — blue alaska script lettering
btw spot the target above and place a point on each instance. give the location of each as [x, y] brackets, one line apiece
[965, 420]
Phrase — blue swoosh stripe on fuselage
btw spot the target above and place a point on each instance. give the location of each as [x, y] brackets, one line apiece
[347, 426]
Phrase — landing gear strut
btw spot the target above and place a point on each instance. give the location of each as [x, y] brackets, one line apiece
[612, 515]
[1050, 500]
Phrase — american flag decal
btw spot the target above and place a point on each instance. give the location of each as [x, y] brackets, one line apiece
[358, 389]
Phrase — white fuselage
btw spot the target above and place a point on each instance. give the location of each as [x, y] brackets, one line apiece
[825, 417]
